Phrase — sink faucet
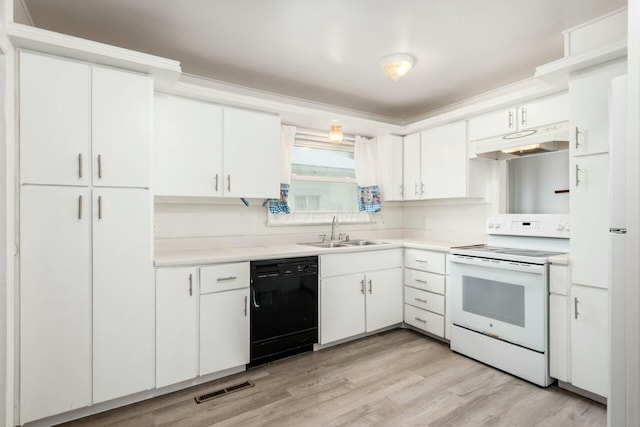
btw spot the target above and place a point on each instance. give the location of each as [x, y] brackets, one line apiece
[334, 224]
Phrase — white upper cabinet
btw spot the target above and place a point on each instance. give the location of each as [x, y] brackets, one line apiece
[390, 159]
[202, 149]
[123, 293]
[121, 111]
[412, 188]
[444, 161]
[545, 111]
[251, 154]
[539, 112]
[589, 94]
[78, 121]
[493, 124]
[187, 147]
[55, 122]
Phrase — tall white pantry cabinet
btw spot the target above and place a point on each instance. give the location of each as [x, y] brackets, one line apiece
[86, 266]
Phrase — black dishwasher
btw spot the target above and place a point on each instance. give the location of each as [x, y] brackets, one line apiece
[284, 308]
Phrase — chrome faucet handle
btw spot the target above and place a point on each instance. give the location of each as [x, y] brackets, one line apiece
[343, 236]
[323, 237]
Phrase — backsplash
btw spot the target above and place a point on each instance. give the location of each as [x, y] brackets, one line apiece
[235, 223]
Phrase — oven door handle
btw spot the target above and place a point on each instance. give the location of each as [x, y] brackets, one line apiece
[500, 264]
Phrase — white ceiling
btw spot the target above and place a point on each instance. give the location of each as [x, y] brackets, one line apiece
[327, 51]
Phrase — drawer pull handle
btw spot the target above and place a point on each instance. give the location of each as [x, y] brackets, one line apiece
[226, 279]
[422, 260]
[99, 166]
[79, 165]
[421, 281]
[421, 300]
[420, 320]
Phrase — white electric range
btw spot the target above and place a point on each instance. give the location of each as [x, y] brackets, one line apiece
[500, 294]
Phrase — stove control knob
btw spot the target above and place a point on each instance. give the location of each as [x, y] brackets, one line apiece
[560, 227]
[566, 228]
[490, 225]
[497, 225]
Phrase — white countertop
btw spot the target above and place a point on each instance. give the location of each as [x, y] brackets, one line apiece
[182, 257]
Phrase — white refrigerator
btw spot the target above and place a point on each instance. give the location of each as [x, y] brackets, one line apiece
[617, 405]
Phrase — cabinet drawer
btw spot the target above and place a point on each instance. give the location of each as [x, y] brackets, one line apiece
[425, 260]
[359, 262]
[426, 300]
[426, 281]
[425, 320]
[216, 278]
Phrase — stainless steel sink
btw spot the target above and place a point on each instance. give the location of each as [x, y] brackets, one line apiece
[363, 242]
[325, 244]
[344, 243]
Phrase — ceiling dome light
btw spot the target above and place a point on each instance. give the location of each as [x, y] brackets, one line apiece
[396, 66]
[335, 134]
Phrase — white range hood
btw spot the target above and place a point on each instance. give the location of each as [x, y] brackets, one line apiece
[532, 141]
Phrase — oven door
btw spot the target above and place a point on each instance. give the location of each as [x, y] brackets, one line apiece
[502, 299]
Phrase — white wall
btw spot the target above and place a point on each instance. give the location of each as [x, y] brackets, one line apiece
[457, 221]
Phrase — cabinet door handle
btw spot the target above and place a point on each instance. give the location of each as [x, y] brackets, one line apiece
[523, 118]
[401, 189]
[190, 284]
[245, 306]
[79, 165]
[422, 260]
[416, 189]
[362, 286]
[370, 287]
[422, 188]
[226, 279]
[510, 119]
[99, 207]
[216, 182]
[576, 136]
[424, 301]
[99, 166]
[80, 207]
[577, 175]
[420, 320]
[229, 182]
[575, 308]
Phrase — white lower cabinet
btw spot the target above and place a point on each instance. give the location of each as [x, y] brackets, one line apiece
[590, 339]
[224, 317]
[224, 330]
[578, 332]
[367, 299]
[425, 280]
[55, 300]
[123, 293]
[176, 325]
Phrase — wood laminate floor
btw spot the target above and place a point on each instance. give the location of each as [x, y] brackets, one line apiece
[397, 378]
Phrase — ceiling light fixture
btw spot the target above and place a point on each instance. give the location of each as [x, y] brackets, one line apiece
[397, 65]
[521, 148]
[335, 134]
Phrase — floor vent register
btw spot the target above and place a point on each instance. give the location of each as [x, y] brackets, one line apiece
[224, 391]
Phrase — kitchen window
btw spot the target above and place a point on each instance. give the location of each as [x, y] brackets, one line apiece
[323, 184]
